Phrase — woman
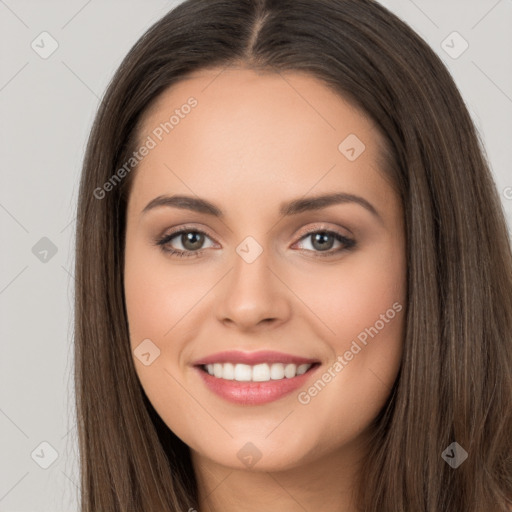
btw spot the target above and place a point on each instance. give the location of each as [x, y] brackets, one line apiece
[226, 358]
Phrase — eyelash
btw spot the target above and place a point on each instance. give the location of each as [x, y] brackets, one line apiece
[162, 242]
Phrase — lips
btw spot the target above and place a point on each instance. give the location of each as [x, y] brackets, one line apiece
[254, 378]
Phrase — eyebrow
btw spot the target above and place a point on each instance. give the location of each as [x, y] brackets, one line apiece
[294, 207]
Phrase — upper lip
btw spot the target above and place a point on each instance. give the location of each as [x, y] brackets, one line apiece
[253, 358]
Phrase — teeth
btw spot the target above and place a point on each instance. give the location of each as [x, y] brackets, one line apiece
[217, 370]
[277, 371]
[228, 371]
[303, 368]
[261, 373]
[257, 373]
[243, 372]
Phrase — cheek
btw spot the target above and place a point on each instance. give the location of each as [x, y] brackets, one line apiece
[157, 295]
[351, 297]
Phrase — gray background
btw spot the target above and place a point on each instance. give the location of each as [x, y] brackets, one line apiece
[46, 110]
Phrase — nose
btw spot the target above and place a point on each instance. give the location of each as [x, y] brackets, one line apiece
[253, 296]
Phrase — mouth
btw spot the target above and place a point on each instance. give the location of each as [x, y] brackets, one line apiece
[254, 378]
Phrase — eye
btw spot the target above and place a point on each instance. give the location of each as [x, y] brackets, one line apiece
[323, 240]
[192, 240]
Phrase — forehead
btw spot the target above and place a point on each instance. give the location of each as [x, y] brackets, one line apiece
[256, 134]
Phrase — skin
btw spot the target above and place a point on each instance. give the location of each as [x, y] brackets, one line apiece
[254, 141]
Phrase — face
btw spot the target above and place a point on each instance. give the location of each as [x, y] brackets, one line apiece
[295, 304]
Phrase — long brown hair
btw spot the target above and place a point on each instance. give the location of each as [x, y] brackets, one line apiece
[455, 380]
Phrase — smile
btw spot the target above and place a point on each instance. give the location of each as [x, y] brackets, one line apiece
[254, 378]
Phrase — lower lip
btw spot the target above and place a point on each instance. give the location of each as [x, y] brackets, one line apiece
[254, 393]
